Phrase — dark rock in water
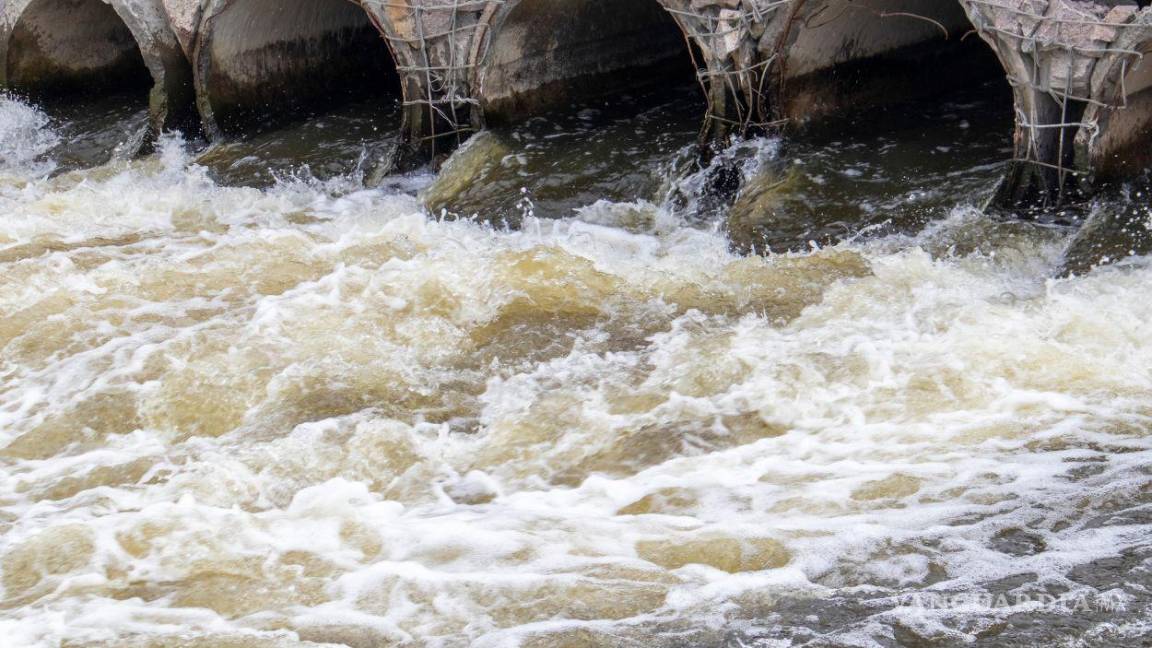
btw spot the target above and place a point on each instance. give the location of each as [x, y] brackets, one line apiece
[769, 203]
[1018, 542]
[450, 191]
[1113, 232]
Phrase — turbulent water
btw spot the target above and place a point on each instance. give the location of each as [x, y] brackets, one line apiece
[311, 414]
[345, 142]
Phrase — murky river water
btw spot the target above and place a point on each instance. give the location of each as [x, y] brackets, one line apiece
[347, 142]
[311, 414]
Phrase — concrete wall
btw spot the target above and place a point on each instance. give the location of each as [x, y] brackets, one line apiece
[1116, 141]
[184, 21]
[1078, 124]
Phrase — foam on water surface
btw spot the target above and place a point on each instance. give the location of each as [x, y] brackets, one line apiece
[312, 415]
[25, 137]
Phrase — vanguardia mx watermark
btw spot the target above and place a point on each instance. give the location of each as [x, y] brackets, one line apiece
[1070, 602]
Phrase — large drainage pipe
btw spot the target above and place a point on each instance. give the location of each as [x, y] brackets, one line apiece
[545, 54]
[828, 56]
[261, 61]
[51, 48]
[470, 63]
[762, 62]
[532, 55]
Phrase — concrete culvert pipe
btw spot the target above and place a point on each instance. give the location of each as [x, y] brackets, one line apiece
[545, 54]
[833, 55]
[261, 62]
[65, 48]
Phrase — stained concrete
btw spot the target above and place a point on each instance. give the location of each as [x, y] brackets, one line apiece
[545, 54]
[79, 47]
[484, 61]
[1118, 144]
[831, 56]
[466, 64]
[262, 61]
[1082, 105]
[184, 20]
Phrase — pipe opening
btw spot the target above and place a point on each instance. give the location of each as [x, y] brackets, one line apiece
[550, 54]
[583, 101]
[904, 112]
[74, 48]
[842, 55]
[266, 62]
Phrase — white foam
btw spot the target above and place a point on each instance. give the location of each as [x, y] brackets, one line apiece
[25, 137]
[304, 373]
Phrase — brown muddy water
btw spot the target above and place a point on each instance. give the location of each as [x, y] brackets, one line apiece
[345, 142]
[311, 414]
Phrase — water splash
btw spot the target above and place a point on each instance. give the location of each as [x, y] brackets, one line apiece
[312, 413]
[26, 136]
[700, 194]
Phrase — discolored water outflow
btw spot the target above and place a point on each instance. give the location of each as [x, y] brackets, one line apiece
[353, 139]
[884, 170]
[617, 149]
[313, 414]
[881, 170]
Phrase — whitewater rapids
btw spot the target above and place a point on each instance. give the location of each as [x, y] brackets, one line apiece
[312, 414]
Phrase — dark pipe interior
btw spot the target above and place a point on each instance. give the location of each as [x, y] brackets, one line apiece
[70, 48]
[847, 55]
[271, 61]
[550, 54]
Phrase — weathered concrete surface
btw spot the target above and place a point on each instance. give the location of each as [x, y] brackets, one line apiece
[1116, 142]
[827, 56]
[472, 62]
[260, 60]
[430, 41]
[184, 20]
[92, 46]
[536, 54]
[1083, 110]
[546, 54]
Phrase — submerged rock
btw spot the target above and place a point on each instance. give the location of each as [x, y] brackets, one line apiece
[450, 191]
[1112, 233]
[770, 202]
